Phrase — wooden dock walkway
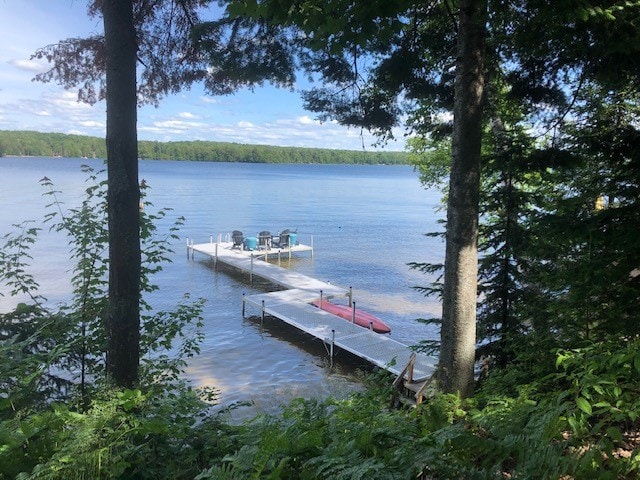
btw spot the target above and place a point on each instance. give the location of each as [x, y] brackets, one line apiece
[292, 306]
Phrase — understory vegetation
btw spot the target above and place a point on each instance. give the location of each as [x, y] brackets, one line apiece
[550, 412]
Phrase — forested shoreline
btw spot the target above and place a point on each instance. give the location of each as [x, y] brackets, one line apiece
[38, 144]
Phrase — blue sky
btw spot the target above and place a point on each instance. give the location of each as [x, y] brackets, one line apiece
[267, 115]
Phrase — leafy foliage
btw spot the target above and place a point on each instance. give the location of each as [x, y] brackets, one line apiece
[64, 349]
[164, 49]
[559, 279]
[539, 429]
[558, 265]
[127, 434]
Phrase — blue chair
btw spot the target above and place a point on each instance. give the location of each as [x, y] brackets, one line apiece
[251, 243]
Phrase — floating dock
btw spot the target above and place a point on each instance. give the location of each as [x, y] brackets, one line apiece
[292, 305]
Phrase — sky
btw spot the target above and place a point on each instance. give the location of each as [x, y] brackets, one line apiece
[267, 116]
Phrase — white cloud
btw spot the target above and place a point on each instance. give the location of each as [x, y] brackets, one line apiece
[31, 66]
[92, 124]
[68, 98]
[294, 130]
[266, 116]
[306, 120]
[213, 100]
[178, 124]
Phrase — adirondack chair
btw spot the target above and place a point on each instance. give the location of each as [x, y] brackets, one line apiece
[238, 239]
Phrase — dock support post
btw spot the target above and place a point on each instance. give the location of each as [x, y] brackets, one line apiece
[350, 296]
[333, 340]
[251, 271]
[353, 313]
[279, 255]
[262, 316]
[321, 294]
[188, 249]
[371, 326]
[243, 305]
[215, 258]
[410, 369]
[210, 238]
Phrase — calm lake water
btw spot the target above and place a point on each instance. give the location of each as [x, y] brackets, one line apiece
[367, 223]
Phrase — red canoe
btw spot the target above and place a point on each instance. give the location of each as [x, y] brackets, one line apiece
[364, 319]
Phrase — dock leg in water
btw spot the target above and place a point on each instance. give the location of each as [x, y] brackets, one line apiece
[333, 341]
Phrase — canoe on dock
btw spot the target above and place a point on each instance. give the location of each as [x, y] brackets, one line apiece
[354, 315]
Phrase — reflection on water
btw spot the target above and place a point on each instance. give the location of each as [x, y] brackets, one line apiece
[367, 223]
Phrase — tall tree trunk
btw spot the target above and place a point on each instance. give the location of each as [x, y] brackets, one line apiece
[458, 333]
[123, 197]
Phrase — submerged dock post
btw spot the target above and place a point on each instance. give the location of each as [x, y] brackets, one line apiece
[215, 258]
[187, 248]
[321, 299]
[353, 313]
[262, 316]
[333, 340]
[243, 304]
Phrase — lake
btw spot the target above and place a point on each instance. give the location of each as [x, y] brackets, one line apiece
[367, 223]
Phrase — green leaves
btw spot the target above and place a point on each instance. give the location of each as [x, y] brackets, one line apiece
[130, 399]
[123, 434]
[584, 405]
[14, 262]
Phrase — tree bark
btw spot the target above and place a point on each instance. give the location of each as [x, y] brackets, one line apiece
[458, 333]
[123, 197]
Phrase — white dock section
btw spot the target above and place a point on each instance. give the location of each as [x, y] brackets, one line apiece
[252, 263]
[293, 307]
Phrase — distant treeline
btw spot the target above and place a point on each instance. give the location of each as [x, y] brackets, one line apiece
[27, 143]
